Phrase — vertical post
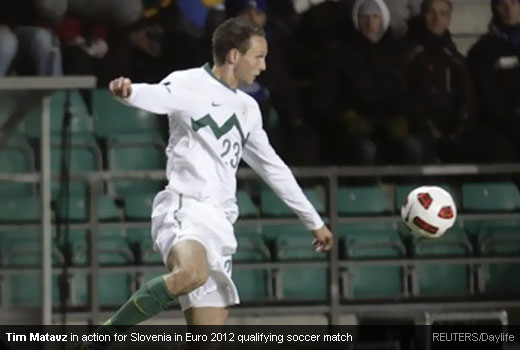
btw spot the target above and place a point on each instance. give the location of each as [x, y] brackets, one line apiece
[45, 154]
[94, 250]
[334, 256]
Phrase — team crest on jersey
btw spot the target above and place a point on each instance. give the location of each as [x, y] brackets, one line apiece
[219, 131]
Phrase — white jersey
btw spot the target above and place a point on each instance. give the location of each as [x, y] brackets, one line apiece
[213, 127]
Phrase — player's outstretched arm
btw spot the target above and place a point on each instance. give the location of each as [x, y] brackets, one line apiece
[323, 239]
[262, 158]
[154, 98]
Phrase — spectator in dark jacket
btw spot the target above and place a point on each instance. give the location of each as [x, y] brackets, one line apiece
[359, 93]
[27, 43]
[440, 99]
[495, 67]
[276, 92]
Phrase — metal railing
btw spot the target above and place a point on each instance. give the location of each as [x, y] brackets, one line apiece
[337, 302]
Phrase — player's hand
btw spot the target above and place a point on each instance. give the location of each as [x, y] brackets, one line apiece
[323, 239]
[121, 87]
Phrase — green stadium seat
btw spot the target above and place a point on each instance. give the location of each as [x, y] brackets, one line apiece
[252, 284]
[251, 248]
[25, 289]
[16, 157]
[115, 287]
[490, 197]
[495, 237]
[9, 102]
[79, 246]
[114, 247]
[20, 209]
[81, 122]
[444, 280]
[501, 278]
[113, 117]
[304, 283]
[364, 201]
[107, 209]
[362, 241]
[78, 209]
[245, 204]
[139, 206]
[114, 250]
[23, 249]
[370, 240]
[85, 156]
[141, 241]
[297, 283]
[136, 152]
[293, 243]
[273, 206]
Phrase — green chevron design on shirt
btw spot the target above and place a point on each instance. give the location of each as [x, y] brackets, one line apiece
[219, 131]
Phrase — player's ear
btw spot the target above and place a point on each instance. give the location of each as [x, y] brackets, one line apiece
[233, 56]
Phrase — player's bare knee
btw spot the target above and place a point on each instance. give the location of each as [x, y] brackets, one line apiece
[184, 280]
[199, 278]
[190, 279]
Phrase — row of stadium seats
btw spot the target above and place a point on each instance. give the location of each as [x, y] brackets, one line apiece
[128, 137]
[351, 201]
[382, 280]
[127, 152]
[102, 116]
[290, 242]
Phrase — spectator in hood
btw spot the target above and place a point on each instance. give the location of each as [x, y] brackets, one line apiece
[495, 67]
[275, 91]
[401, 11]
[359, 92]
[440, 98]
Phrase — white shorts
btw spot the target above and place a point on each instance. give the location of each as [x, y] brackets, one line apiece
[176, 218]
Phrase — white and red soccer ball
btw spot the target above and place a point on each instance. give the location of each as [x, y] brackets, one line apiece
[429, 211]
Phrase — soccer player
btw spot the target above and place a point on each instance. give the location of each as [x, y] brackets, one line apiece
[213, 125]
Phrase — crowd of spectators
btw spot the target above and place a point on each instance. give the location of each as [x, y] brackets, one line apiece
[355, 82]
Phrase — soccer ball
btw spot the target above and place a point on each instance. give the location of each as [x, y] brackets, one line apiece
[429, 211]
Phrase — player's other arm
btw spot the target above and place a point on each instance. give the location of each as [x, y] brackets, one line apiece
[261, 156]
[154, 98]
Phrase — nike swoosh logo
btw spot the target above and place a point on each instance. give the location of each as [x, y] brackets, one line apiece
[214, 104]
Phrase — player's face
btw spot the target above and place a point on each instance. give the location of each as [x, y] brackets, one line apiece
[438, 17]
[509, 11]
[371, 26]
[252, 63]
